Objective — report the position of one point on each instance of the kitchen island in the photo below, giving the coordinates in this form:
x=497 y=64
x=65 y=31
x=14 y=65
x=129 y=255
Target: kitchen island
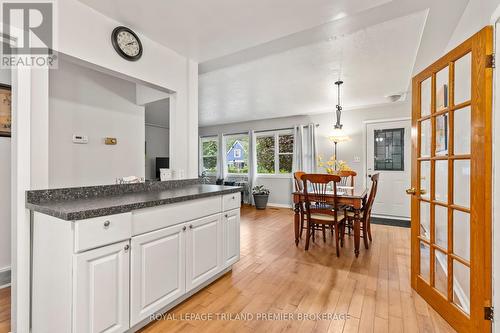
x=108 y=258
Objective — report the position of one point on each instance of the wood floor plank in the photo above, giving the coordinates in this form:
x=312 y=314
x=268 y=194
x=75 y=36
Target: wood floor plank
x=371 y=293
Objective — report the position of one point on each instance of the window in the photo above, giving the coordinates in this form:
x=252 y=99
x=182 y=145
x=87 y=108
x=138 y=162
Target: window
x=236 y=147
x=389 y=149
x=274 y=153
x=209 y=149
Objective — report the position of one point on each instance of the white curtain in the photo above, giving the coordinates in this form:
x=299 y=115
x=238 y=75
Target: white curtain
x=305 y=149
x=252 y=161
x=221 y=168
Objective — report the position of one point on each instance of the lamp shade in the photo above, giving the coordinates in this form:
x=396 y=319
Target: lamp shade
x=339 y=138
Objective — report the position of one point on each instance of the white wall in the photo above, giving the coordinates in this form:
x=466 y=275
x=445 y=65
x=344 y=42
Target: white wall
x=87 y=102
x=353 y=126
x=79 y=27
x=5 y=183
x=157 y=116
x=157 y=140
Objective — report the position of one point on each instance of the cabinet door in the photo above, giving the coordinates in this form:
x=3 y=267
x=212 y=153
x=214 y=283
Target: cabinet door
x=231 y=237
x=203 y=250
x=101 y=294
x=157 y=271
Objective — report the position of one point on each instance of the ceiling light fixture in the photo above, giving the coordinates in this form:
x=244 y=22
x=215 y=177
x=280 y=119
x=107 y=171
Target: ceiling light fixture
x=338 y=111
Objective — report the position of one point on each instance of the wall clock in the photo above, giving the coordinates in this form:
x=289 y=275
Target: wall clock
x=126 y=43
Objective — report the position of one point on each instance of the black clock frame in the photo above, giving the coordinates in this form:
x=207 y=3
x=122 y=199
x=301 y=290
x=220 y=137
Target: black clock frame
x=114 y=41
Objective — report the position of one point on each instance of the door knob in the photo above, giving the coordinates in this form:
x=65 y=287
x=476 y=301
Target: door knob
x=411 y=191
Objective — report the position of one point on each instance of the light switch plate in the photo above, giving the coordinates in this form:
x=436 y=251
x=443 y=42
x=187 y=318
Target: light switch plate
x=80 y=139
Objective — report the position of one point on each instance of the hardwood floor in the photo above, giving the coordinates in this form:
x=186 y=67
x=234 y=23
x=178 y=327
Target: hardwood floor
x=5 y=310
x=274 y=277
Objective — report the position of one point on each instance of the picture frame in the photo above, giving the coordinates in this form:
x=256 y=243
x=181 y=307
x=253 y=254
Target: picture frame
x=5 y=110
x=442 y=134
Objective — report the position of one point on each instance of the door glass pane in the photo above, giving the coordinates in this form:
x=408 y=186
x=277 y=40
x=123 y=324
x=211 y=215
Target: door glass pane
x=425 y=262
x=425 y=179
x=462 y=125
x=389 y=149
x=441 y=181
x=461 y=234
x=441 y=226
x=461 y=183
x=425 y=219
x=441 y=272
x=426 y=98
x=425 y=143
x=463 y=70
x=442 y=135
x=461 y=286
x=442 y=99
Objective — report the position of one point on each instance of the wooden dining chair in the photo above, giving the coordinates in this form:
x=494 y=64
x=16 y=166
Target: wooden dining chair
x=347 y=177
x=365 y=214
x=299 y=187
x=322 y=207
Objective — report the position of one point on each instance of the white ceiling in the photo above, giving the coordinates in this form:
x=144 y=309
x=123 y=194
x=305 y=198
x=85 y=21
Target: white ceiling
x=373 y=63
x=271 y=58
x=207 y=29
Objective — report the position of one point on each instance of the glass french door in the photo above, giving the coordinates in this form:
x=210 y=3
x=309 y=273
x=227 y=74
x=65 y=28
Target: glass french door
x=451 y=184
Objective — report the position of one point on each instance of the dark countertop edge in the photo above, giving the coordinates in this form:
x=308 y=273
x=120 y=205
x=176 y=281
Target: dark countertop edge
x=106 y=211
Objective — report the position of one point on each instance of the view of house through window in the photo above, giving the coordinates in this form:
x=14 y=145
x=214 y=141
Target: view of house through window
x=274 y=153
x=209 y=154
x=236 y=153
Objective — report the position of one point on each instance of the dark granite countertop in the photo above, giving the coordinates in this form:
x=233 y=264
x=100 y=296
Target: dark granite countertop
x=79 y=208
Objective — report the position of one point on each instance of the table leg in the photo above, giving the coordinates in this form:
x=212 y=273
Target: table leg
x=296 y=221
x=357 y=232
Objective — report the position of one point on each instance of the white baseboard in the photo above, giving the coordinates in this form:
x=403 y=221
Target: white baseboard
x=5 y=277
x=279 y=205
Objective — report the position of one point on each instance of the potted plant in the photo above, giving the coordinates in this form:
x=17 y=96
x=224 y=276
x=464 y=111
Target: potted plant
x=260 y=196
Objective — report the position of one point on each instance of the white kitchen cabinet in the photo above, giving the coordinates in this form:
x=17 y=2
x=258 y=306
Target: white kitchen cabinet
x=231 y=237
x=203 y=250
x=101 y=302
x=110 y=274
x=157 y=271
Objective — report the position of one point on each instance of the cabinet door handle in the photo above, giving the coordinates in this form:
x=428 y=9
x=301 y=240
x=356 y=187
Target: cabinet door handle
x=106 y=224
x=234 y=197
x=184 y=228
x=190 y=226
x=126 y=248
x=225 y=215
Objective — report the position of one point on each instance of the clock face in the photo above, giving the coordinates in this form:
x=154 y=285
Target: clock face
x=126 y=43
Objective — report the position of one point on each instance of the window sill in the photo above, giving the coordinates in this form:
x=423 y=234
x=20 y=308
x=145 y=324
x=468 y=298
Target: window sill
x=282 y=176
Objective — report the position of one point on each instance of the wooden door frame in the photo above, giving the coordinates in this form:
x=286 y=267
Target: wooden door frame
x=481 y=184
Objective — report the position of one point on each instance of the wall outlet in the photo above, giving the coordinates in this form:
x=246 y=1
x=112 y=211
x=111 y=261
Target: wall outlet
x=80 y=139
x=357 y=159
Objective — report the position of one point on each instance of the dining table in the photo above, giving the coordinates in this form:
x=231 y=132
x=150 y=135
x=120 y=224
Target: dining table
x=352 y=196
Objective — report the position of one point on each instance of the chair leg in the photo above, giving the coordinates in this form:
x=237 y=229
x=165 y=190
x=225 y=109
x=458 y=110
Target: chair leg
x=342 y=233
x=337 y=236
x=301 y=225
x=365 y=236
x=369 y=225
x=308 y=235
x=324 y=233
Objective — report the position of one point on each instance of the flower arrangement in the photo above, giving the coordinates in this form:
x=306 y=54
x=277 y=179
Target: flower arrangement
x=332 y=166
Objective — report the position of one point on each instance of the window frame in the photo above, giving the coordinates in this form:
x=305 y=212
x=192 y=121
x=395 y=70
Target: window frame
x=276 y=134
x=201 y=156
